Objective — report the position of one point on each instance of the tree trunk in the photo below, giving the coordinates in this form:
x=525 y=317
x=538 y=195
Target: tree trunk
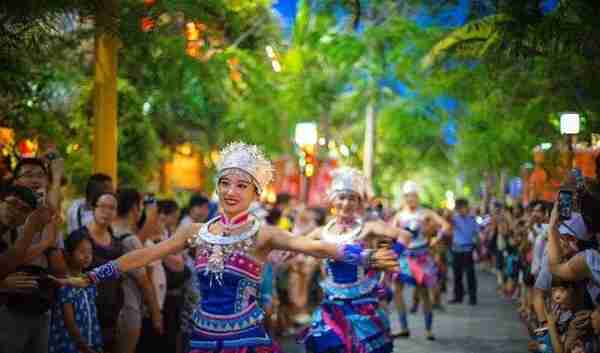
x=105 y=91
x=369 y=149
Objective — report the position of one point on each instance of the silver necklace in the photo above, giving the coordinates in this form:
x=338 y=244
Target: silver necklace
x=341 y=238
x=219 y=248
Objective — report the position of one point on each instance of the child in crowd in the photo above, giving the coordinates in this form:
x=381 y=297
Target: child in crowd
x=561 y=308
x=512 y=262
x=74 y=326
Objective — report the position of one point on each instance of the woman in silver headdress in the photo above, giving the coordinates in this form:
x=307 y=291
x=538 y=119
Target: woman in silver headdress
x=349 y=319
x=231 y=251
x=417 y=258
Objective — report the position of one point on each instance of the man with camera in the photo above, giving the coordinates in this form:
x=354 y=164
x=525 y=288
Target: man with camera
x=26 y=293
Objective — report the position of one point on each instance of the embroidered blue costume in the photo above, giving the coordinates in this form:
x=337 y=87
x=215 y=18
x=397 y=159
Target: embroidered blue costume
x=228 y=317
x=349 y=319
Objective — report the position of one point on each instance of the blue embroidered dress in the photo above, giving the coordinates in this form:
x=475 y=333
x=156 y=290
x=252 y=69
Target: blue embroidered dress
x=416 y=262
x=349 y=319
x=228 y=317
x=86 y=317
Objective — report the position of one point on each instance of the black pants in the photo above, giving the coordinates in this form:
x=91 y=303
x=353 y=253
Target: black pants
x=463 y=262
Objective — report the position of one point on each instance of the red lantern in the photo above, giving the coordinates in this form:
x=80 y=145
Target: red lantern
x=26 y=148
x=147 y=24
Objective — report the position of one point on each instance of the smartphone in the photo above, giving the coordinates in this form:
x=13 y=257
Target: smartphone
x=565 y=204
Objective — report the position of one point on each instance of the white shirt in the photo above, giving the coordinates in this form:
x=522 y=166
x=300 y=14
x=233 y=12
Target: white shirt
x=540 y=233
x=159 y=277
x=79 y=215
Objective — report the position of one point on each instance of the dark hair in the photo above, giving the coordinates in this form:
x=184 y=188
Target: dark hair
x=127 y=199
x=30 y=161
x=590 y=208
x=543 y=204
x=461 y=202
x=95 y=185
x=274 y=216
x=586 y=244
x=197 y=200
x=283 y=198
x=167 y=206
x=98 y=195
x=321 y=215
x=74 y=239
x=21 y=192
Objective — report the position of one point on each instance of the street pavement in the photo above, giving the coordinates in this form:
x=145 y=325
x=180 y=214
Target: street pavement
x=492 y=326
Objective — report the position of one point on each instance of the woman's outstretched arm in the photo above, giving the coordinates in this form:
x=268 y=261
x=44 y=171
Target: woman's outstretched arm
x=281 y=240
x=142 y=257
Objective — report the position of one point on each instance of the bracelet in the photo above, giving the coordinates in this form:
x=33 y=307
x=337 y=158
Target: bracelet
x=355 y=255
x=106 y=272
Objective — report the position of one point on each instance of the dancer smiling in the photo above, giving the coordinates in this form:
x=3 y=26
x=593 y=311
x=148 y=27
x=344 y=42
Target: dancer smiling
x=349 y=320
x=232 y=249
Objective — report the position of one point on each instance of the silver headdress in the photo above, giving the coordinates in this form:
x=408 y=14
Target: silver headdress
x=249 y=159
x=347 y=179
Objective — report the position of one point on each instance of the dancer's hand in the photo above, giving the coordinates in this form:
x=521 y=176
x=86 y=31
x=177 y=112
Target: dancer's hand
x=375 y=228
x=19 y=282
x=77 y=282
x=385 y=259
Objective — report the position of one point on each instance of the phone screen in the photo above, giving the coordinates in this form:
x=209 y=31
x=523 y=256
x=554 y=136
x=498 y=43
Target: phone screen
x=565 y=204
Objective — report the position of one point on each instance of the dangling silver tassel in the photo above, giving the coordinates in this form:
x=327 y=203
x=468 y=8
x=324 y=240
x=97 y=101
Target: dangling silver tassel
x=216 y=265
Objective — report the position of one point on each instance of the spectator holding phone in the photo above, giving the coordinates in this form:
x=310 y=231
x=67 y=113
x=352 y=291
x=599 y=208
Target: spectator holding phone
x=18 y=208
x=24 y=322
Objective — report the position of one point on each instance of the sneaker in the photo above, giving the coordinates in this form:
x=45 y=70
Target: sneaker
x=438 y=307
x=414 y=309
x=402 y=334
x=473 y=302
x=430 y=337
x=455 y=301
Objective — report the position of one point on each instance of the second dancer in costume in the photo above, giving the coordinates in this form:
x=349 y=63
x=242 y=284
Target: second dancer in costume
x=421 y=265
x=349 y=319
x=231 y=252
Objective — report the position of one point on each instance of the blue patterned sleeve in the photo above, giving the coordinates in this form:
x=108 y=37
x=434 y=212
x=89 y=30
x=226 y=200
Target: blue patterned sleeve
x=354 y=254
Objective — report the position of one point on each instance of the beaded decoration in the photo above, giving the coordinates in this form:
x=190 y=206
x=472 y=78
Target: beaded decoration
x=341 y=238
x=218 y=248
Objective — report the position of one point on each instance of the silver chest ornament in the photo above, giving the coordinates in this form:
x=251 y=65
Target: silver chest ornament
x=342 y=238
x=218 y=248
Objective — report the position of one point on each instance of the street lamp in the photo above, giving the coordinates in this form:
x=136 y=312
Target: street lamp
x=569 y=126
x=306 y=137
x=569 y=123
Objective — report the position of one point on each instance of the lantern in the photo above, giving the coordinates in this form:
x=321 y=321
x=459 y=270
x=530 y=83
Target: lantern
x=569 y=123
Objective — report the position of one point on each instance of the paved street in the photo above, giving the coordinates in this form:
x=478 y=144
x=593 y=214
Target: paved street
x=490 y=327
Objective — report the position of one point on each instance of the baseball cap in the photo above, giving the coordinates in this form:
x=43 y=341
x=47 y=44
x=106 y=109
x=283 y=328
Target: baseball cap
x=575 y=226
